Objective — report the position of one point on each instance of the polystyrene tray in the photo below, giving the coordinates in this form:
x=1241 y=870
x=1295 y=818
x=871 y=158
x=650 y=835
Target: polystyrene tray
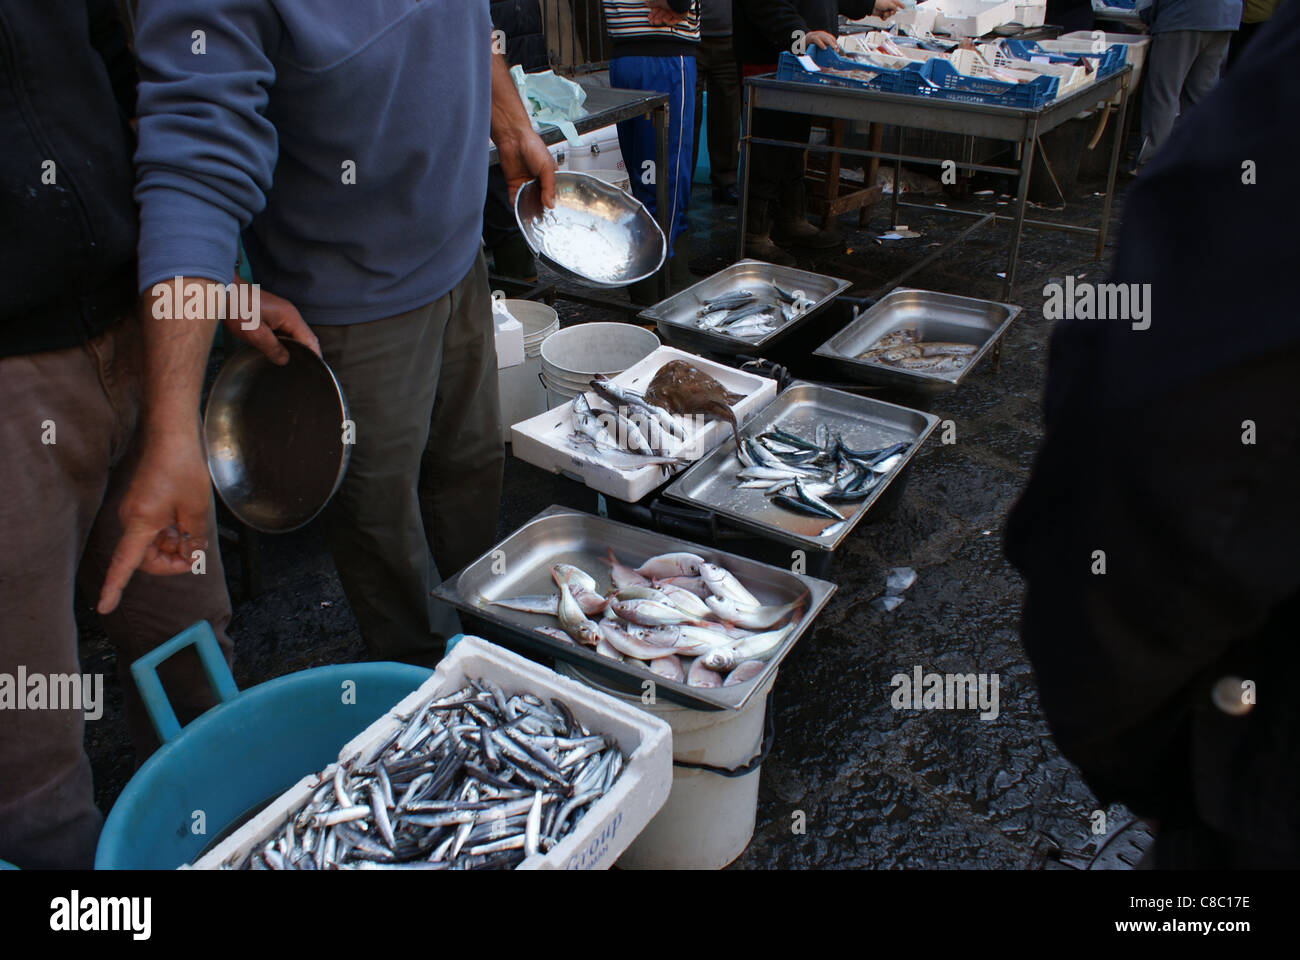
x=604 y=832
x=544 y=440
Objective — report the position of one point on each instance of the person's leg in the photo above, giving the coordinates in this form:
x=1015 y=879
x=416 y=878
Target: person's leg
x=389 y=373
x=702 y=82
x=1168 y=61
x=58 y=435
x=724 y=113
x=462 y=468
x=1205 y=69
x=152 y=609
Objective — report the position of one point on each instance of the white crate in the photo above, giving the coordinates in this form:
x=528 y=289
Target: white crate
x=971 y=18
x=603 y=833
x=1033 y=14
x=544 y=440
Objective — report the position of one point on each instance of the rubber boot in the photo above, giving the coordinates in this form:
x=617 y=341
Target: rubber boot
x=758 y=240
x=791 y=227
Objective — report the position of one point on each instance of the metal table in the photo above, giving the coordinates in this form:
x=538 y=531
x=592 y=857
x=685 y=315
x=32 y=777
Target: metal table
x=1023 y=127
x=607 y=105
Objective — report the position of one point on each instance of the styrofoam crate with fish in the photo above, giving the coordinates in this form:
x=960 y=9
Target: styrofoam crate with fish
x=816 y=460
x=607 y=825
x=568 y=440
x=759 y=611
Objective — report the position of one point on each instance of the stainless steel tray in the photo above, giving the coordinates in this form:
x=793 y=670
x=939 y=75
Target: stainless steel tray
x=937 y=316
x=862 y=421
x=675 y=316
x=521 y=563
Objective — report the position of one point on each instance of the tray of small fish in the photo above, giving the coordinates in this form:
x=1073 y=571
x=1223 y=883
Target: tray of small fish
x=745 y=306
x=708 y=628
x=628 y=434
x=920 y=340
x=494 y=762
x=809 y=466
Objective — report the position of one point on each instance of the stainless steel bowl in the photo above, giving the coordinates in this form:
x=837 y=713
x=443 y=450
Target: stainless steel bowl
x=595 y=234
x=274 y=437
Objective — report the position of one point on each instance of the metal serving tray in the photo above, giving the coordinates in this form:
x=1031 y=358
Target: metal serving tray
x=865 y=423
x=937 y=316
x=675 y=316
x=521 y=564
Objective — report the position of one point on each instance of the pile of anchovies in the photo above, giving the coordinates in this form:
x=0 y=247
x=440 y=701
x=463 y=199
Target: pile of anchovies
x=475 y=780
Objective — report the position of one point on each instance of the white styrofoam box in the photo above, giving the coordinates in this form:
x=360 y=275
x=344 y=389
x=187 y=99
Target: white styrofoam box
x=595 y=841
x=972 y=18
x=918 y=20
x=597 y=150
x=509 y=339
x=1135 y=47
x=1032 y=14
x=544 y=440
x=1070 y=76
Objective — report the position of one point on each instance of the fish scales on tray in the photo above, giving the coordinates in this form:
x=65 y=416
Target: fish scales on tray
x=906 y=350
x=665 y=616
x=471 y=780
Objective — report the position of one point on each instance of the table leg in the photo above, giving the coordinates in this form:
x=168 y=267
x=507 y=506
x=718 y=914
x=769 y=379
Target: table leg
x=1028 y=147
x=746 y=132
x=661 y=189
x=1114 y=168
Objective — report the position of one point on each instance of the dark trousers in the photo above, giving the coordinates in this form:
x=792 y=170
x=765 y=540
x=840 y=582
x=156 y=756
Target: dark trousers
x=424 y=481
x=499 y=224
x=774 y=171
x=58 y=527
x=719 y=74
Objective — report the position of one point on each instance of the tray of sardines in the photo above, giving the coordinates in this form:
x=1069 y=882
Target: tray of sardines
x=708 y=629
x=920 y=340
x=494 y=762
x=627 y=434
x=809 y=466
x=744 y=307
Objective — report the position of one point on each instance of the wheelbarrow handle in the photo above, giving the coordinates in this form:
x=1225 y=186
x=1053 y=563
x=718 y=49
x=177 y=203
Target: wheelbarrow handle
x=145 y=673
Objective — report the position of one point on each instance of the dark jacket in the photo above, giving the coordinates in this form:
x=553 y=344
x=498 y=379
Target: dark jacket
x=1144 y=459
x=764 y=28
x=67 y=248
x=521 y=22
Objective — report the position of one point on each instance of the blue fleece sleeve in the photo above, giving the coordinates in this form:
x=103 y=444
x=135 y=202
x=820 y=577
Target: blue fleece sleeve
x=206 y=150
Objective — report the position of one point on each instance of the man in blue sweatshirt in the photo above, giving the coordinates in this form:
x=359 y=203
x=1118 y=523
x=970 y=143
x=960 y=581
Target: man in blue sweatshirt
x=345 y=141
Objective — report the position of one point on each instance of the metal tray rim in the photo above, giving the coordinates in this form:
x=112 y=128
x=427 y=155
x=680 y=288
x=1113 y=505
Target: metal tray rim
x=830 y=352
x=726 y=698
x=730 y=342
x=676 y=492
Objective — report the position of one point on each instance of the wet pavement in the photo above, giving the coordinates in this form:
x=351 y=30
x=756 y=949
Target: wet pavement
x=870 y=786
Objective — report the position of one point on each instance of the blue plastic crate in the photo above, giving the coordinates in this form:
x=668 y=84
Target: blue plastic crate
x=944 y=82
x=1108 y=61
x=1122 y=4
x=905 y=80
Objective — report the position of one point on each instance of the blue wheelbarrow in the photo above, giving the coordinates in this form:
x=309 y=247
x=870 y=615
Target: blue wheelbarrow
x=212 y=774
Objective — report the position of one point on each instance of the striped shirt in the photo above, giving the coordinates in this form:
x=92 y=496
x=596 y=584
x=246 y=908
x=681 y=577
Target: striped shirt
x=629 y=21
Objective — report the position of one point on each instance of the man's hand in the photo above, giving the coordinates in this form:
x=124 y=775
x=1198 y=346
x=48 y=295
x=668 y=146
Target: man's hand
x=276 y=318
x=820 y=38
x=887 y=8
x=520 y=151
x=662 y=15
x=164 y=514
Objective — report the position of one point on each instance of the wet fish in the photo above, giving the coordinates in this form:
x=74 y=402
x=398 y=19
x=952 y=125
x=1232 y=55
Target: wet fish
x=701 y=675
x=630 y=398
x=545 y=603
x=682 y=388
x=744 y=672
x=669 y=667
x=624 y=576
x=723 y=584
x=671 y=565
x=546 y=772
x=750 y=617
x=574 y=622
x=760 y=646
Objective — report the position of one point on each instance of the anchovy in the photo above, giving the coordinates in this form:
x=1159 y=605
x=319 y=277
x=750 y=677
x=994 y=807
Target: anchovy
x=628 y=398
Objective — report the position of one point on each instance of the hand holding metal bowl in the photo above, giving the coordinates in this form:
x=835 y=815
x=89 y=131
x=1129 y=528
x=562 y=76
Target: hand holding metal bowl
x=275 y=437
x=595 y=234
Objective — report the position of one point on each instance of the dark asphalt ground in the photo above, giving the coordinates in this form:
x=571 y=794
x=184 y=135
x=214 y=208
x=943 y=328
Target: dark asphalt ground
x=877 y=787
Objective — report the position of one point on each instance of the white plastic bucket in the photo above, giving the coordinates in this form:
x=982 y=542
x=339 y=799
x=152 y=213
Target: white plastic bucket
x=618 y=178
x=708 y=820
x=522 y=394
x=597 y=150
x=572 y=356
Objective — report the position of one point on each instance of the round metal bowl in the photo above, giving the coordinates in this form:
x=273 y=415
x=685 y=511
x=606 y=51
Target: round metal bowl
x=595 y=234
x=274 y=437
